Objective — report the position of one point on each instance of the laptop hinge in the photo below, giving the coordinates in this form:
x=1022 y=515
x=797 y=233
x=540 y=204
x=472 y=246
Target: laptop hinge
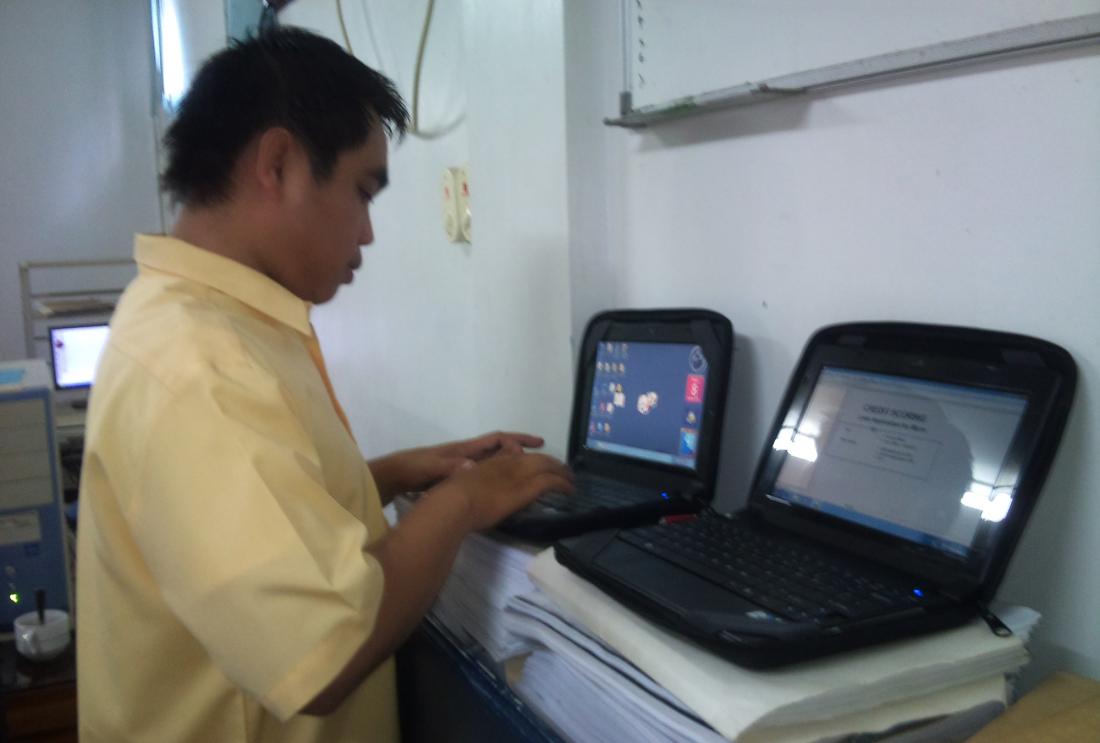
x=698 y=496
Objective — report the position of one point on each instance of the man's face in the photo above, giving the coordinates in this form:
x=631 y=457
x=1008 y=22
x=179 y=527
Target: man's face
x=328 y=222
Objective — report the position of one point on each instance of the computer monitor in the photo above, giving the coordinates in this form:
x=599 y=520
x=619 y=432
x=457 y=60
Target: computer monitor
x=75 y=350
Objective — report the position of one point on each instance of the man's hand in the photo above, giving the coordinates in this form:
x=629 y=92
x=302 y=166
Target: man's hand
x=419 y=469
x=496 y=487
x=417 y=554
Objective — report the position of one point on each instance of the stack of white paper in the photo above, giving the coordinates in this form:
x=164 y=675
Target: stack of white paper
x=488 y=570
x=587 y=691
x=861 y=691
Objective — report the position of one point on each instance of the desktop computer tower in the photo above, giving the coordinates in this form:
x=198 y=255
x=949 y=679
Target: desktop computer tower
x=34 y=542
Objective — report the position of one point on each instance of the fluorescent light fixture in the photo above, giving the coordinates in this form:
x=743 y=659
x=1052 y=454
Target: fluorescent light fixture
x=170 y=53
x=993 y=505
x=799 y=445
x=998 y=507
x=783 y=439
x=803 y=447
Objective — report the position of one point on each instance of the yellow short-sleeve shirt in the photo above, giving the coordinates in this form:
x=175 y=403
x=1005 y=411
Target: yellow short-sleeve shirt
x=222 y=580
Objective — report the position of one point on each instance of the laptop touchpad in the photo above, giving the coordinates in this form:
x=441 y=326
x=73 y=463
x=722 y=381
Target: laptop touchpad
x=665 y=583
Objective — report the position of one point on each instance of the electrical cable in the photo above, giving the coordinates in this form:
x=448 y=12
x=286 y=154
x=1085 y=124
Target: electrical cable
x=415 y=128
x=269 y=20
x=414 y=124
x=343 y=26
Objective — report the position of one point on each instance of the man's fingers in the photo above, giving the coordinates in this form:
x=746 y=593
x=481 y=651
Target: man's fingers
x=554 y=482
x=483 y=446
x=497 y=442
x=540 y=461
x=526 y=440
x=548 y=473
x=510 y=446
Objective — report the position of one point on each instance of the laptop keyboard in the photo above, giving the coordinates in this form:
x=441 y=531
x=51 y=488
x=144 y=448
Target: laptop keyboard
x=790 y=580
x=595 y=492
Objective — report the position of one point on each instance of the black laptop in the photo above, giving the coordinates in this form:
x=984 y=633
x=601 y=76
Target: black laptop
x=646 y=425
x=894 y=485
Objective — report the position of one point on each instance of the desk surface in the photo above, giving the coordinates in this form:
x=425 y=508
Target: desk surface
x=39 y=699
x=1065 y=708
x=17 y=673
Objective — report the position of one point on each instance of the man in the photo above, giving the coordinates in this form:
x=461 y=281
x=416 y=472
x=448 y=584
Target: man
x=236 y=578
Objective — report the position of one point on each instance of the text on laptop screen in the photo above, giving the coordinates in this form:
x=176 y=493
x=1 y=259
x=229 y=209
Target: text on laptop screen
x=647 y=401
x=76 y=352
x=916 y=459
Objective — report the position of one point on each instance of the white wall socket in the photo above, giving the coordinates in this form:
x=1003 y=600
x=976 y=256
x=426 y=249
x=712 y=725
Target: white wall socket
x=462 y=186
x=449 y=192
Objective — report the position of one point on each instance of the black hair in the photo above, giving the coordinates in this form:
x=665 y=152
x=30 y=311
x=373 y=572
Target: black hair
x=286 y=77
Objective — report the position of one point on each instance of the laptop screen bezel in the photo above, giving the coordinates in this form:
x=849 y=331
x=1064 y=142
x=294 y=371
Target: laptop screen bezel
x=1037 y=384
x=708 y=330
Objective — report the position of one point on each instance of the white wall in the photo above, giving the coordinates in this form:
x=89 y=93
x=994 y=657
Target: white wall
x=77 y=172
x=434 y=340
x=966 y=197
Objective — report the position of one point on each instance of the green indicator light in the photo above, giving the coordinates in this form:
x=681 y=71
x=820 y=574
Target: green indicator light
x=14 y=597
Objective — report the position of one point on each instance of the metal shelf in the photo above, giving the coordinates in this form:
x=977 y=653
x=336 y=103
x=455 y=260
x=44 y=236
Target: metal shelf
x=1077 y=31
x=62 y=281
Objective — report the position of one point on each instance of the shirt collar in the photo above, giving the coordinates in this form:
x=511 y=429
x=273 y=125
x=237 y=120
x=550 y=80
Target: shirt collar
x=173 y=256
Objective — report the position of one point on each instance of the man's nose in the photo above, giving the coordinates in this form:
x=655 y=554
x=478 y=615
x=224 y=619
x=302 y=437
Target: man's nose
x=366 y=230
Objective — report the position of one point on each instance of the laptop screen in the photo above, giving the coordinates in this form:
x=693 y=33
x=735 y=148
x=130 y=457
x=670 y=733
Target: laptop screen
x=917 y=459
x=647 y=401
x=75 y=353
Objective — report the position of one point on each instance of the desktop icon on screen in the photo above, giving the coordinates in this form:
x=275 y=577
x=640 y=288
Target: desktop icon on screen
x=694 y=388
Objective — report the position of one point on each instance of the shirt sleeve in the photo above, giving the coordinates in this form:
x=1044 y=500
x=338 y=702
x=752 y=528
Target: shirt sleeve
x=251 y=552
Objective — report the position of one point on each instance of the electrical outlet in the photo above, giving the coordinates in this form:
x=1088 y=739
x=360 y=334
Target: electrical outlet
x=462 y=186
x=449 y=192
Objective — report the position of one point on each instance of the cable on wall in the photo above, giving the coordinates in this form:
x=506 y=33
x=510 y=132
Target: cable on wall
x=415 y=128
x=414 y=125
x=343 y=26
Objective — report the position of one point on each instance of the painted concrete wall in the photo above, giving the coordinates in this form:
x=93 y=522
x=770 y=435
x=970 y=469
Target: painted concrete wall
x=965 y=197
x=436 y=340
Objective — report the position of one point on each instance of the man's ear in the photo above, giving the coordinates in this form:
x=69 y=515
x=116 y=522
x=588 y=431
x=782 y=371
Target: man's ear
x=273 y=155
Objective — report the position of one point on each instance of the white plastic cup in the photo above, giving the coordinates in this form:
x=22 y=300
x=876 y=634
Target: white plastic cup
x=42 y=640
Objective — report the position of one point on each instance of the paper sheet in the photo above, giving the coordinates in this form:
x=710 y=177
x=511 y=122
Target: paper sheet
x=486 y=574
x=588 y=691
x=733 y=699
x=880 y=719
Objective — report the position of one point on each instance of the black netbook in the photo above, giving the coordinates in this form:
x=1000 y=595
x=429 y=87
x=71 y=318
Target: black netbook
x=895 y=482
x=647 y=419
